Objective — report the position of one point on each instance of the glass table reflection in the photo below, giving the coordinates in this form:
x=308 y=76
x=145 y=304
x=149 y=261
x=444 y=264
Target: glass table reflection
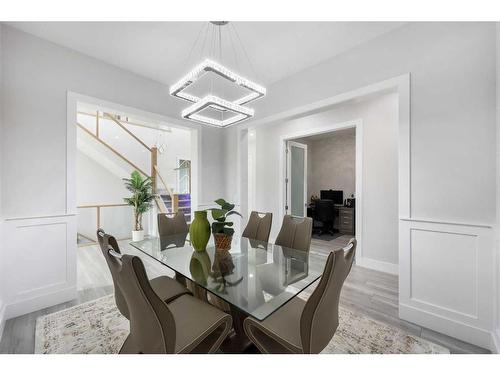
x=254 y=277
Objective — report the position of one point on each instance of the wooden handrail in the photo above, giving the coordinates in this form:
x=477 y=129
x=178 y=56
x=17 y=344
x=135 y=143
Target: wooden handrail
x=102 y=205
x=161 y=205
x=111 y=149
x=168 y=130
x=113 y=118
x=170 y=192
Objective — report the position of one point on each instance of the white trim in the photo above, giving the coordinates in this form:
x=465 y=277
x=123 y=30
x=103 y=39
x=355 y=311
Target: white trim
x=446 y=222
x=358 y=125
x=495 y=341
x=74 y=98
x=28 y=305
x=47 y=241
x=471 y=321
x=2 y=318
x=459 y=329
x=37 y=217
x=402 y=82
x=288 y=158
x=377 y=265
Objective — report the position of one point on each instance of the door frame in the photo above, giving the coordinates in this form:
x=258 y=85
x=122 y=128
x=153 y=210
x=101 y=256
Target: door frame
x=72 y=101
x=358 y=125
x=288 y=166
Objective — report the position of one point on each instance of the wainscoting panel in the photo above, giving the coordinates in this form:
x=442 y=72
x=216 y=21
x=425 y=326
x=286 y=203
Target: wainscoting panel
x=40 y=267
x=446 y=278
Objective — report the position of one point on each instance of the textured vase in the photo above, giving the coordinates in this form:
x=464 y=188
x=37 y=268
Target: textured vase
x=199 y=231
x=222 y=241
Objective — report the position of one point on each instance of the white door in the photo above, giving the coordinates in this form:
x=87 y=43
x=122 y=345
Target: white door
x=296 y=179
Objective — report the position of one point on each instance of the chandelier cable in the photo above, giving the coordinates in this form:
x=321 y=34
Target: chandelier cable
x=245 y=52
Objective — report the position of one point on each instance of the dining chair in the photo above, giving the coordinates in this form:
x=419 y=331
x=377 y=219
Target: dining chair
x=168 y=289
x=295 y=233
x=185 y=325
x=168 y=226
x=258 y=227
x=306 y=326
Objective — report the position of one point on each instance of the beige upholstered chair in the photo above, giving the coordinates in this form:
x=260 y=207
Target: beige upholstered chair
x=167 y=289
x=295 y=233
x=185 y=325
x=258 y=228
x=169 y=226
x=306 y=327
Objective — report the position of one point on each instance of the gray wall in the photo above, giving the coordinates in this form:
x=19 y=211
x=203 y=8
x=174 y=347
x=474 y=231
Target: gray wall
x=452 y=68
x=37 y=76
x=331 y=162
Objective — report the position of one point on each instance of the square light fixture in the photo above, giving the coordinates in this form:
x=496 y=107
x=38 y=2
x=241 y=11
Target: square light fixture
x=193 y=112
x=177 y=90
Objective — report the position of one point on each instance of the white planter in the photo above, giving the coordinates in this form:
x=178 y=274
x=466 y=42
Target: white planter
x=137 y=235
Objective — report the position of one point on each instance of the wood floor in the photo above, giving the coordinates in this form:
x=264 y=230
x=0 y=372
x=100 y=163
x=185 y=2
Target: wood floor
x=370 y=292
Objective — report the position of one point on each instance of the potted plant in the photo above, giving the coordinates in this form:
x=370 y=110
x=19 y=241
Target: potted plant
x=141 y=200
x=221 y=228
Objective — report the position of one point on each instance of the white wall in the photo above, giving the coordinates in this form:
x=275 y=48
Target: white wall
x=452 y=68
x=2 y=255
x=496 y=336
x=37 y=77
x=452 y=167
x=35 y=119
x=380 y=169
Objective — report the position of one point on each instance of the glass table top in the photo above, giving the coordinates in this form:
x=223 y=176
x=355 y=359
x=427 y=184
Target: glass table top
x=255 y=277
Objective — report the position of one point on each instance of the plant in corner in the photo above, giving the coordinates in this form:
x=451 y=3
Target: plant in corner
x=142 y=196
x=221 y=227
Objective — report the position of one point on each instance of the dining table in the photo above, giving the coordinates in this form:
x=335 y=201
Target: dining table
x=251 y=279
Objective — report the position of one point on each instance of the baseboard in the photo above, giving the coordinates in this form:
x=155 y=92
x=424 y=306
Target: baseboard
x=2 y=319
x=495 y=341
x=43 y=301
x=377 y=265
x=459 y=330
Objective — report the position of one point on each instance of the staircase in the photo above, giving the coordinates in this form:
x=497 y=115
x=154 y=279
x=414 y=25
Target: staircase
x=182 y=202
x=92 y=144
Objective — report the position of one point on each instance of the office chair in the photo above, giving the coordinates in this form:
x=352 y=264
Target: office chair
x=325 y=213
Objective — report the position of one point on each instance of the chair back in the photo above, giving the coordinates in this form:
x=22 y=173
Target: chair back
x=152 y=325
x=320 y=317
x=295 y=233
x=324 y=210
x=168 y=226
x=258 y=228
x=107 y=242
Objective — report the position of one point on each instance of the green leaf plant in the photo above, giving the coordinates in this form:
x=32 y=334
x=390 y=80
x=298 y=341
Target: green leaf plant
x=220 y=215
x=142 y=196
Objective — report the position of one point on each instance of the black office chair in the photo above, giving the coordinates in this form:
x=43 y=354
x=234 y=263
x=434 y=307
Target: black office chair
x=325 y=213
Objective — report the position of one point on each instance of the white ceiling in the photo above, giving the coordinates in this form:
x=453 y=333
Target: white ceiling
x=160 y=50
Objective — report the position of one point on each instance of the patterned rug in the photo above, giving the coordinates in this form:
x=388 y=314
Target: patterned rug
x=97 y=327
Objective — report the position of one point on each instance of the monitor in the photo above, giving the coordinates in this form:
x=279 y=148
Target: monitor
x=337 y=196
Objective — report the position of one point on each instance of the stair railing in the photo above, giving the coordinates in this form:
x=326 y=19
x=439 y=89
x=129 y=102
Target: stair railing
x=154 y=174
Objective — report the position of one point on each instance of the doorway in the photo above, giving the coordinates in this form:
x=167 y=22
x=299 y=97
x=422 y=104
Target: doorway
x=296 y=179
x=295 y=198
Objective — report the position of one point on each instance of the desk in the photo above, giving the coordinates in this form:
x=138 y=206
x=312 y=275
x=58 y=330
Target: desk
x=343 y=218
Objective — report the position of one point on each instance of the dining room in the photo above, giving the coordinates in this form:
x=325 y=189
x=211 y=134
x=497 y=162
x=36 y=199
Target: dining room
x=150 y=207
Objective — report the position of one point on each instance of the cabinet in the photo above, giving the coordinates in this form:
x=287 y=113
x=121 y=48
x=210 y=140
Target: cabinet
x=346 y=220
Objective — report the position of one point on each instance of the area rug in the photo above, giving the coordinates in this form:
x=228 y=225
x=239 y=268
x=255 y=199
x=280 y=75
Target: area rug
x=97 y=327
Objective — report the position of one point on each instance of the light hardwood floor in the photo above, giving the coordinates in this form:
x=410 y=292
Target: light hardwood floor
x=367 y=291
